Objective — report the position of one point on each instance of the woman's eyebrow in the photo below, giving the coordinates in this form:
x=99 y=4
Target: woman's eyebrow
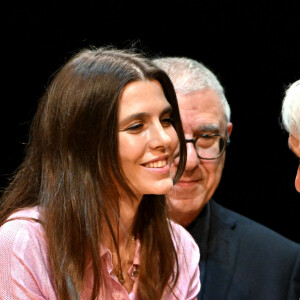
x=141 y=115
x=167 y=110
x=144 y=115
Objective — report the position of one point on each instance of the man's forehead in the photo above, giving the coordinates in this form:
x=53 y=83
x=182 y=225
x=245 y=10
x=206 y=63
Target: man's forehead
x=201 y=103
x=202 y=111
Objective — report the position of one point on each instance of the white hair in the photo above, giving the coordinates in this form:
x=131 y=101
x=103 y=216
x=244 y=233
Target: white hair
x=188 y=76
x=291 y=109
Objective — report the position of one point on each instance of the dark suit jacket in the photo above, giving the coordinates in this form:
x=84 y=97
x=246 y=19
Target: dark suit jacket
x=243 y=260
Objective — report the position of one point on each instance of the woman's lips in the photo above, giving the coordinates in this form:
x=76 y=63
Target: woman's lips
x=156 y=164
x=159 y=166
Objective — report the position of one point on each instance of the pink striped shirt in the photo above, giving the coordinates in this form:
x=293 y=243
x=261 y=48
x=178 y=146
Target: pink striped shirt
x=25 y=272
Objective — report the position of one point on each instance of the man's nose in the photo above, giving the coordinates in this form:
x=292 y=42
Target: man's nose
x=192 y=160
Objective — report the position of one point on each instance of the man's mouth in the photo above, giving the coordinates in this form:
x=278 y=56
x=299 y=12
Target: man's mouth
x=188 y=182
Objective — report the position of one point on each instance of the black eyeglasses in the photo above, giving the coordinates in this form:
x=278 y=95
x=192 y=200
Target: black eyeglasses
x=209 y=145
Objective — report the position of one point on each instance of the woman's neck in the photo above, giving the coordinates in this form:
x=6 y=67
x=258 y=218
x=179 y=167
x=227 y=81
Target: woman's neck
x=123 y=253
x=128 y=209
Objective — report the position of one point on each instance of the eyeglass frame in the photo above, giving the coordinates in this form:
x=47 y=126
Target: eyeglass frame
x=193 y=141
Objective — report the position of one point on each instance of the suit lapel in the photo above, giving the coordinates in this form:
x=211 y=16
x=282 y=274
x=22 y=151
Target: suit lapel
x=219 y=243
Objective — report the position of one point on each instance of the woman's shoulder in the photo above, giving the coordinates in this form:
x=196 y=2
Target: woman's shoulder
x=21 y=227
x=26 y=213
x=24 y=257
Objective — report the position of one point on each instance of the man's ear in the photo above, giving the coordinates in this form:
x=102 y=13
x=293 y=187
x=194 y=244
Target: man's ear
x=229 y=128
x=297 y=180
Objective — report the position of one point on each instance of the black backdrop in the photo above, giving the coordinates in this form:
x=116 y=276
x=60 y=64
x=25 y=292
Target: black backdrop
x=253 y=47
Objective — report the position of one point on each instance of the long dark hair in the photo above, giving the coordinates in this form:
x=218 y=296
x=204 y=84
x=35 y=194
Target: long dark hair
x=71 y=162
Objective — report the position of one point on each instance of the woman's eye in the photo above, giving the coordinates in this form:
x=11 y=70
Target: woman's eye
x=167 y=121
x=135 y=127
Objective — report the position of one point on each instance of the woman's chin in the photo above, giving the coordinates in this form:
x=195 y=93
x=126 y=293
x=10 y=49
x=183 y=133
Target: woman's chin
x=161 y=187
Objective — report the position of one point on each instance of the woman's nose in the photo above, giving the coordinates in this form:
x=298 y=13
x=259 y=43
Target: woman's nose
x=159 y=137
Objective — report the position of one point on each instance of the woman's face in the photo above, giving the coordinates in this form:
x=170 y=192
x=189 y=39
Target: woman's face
x=147 y=138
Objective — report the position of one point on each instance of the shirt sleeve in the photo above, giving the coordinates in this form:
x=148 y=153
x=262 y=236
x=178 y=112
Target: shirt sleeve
x=24 y=272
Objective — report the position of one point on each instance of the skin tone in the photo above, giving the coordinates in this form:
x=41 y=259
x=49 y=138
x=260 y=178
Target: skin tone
x=147 y=141
x=201 y=112
x=294 y=145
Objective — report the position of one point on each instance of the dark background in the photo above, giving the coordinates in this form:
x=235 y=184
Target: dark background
x=253 y=48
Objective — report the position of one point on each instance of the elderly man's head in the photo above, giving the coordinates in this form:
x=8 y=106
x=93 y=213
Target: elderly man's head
x=205 y=115
x=291 y=121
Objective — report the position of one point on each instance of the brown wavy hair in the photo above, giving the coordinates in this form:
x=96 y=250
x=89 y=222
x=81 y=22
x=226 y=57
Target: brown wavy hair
x=71 y=162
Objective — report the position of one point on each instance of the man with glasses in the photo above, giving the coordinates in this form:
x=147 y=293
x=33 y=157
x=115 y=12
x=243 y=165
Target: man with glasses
x=240 y=259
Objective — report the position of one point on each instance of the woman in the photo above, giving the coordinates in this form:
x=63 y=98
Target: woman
x=85 y=216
